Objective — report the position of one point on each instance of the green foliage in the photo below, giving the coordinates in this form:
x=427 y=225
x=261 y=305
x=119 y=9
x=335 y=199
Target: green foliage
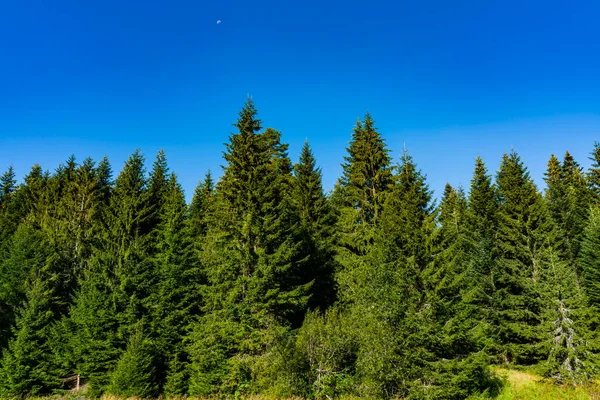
x=27 y=363
x=200 y=207
x=134 y=372
x=359 y=196
x=265 y=286
x=328 y=349
x=590 y=258
x=593 y=176
x=317 y=222
x=566 y=325
x=567 y=197
x=524 y=228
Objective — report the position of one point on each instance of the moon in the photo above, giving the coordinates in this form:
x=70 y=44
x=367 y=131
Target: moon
x=219 y=21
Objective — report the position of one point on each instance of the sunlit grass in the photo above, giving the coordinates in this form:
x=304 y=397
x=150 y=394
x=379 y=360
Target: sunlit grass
x=527 y=386
x=519 y=385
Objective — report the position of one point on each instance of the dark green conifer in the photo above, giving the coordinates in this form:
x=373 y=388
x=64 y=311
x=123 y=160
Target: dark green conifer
x=251 y=258
x=317 y=223
x=134 y=372
x=524 y=231
x=589 y=259
x=200 y=208
x=7 y=184
x=361 y=191
x=28 y=366
x=568 y=202
x=116 y=286
x=175 y=301
x=593 y=175
x=481 y=233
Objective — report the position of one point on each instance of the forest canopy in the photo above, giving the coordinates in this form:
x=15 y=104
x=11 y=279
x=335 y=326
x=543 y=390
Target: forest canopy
x=265 y=284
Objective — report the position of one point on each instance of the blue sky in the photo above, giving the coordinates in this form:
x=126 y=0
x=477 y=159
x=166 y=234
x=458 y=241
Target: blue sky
x=450 y=80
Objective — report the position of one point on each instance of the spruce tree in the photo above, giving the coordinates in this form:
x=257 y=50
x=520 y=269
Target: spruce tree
x=589 y=258
x=524 y=233
x=453 y=289
x=7 y=184
x=158 y=186
x=116 y=286
x=175 y=301
x=481 y=232
x=593 y=175
x=317 y=222
x=385 y=294
x=252 y=259
x=200 y=208
x=11 y=207
x=25 y=254
x=569 y=335
x=359 y=197
x=134 y=372
x=568 y=202
x=27 y=364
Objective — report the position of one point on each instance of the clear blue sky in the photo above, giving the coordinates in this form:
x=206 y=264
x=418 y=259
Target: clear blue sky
x=450 y=79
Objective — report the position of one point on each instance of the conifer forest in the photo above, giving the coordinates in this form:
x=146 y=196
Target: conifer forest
x=266 y=285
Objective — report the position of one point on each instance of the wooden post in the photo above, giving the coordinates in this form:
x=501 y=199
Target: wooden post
x=77 y=387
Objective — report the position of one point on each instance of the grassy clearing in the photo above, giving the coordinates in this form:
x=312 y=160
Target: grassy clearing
x=526 y=386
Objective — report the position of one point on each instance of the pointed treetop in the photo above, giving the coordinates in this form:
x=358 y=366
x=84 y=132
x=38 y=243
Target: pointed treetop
x=7 y=183
x=247 y=123
x=572 y=171
x=307 y=158
x=554 y=171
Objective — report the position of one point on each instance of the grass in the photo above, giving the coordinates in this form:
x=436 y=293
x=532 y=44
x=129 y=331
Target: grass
x=527 y=386
x=519 y=385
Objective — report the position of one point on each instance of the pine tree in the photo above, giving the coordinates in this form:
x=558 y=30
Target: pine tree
x=453 y=288
x=27 y=364
x=200 y=208
x=7 y=184
x=317 y=222
x=589 y=258
x=593 y=176
x=524 y=231
x=569 y=336
x=567 y=199
x=175 y=301
x=384 y=294
x=116 y=286
x=251 y=258
x=359 y=197
x=481 y=233
x=158 y=186
x=25 y=254
x=134 y=373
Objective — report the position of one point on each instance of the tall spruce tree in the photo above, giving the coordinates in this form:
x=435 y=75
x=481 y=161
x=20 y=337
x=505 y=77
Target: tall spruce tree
x=134 y=374
x=568 y=325
x=359 y=197
x=589 y=258
x=28 y=366
x=568 y=202
x=252 y=261
x=481 y=231
x=175 y=301
x=385 y=294
x=115 y=288
x=525 y=232
x=200 y=208
x=7 y=184
x=317 y=223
